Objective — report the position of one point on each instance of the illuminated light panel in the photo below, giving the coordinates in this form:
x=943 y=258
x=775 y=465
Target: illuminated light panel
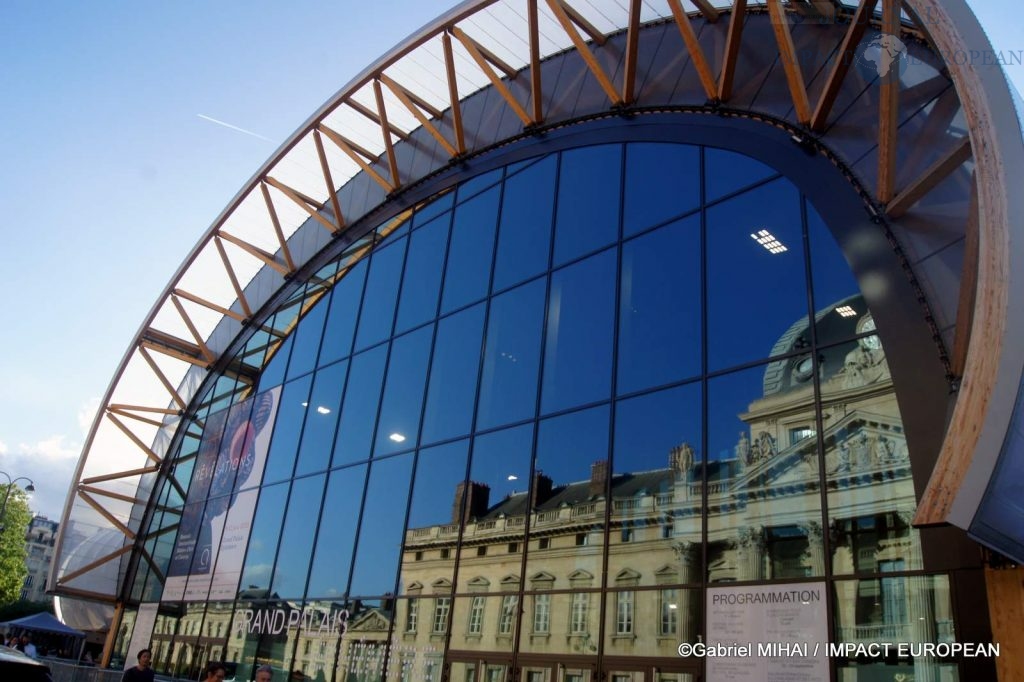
x=768 y=241
x=397 y=437
x=846 y=311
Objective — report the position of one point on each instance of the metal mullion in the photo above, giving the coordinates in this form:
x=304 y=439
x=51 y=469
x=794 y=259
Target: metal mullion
x=826 y=540
x=704 y=582
x=418 y=448
x=537 y=402
x=610 y=448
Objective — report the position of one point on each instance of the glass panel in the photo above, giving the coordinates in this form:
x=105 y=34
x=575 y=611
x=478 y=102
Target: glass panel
x=433 y=207
x=438 y=491
x=321 y=419
x=524 y=239
x=659 y=307
x=380 y=537
x=309 y=331
x=568 y=504
x=287 y=427
x=728 y=172
x=578 y=349
x=662 y=182
x=588 y=200
x=297 y=537
x=835 y=289
x=871 y=496
x=359 y=413
x=266 y=532
x=909 y=611
x=332 y=555
x=471 y=251
x=319 y=637
x=475 y=185
x=399 y=422
x=422 y=281
x=277 y=362
x=341 y=320
x=656 y=508
x=378 y=311
x=755 y=291
x=508 y=389
x=496 y=506
x=485 y=623
x=454 y=372
x=763 y=480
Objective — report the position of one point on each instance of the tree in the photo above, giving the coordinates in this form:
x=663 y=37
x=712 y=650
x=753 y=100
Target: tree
x=15 y=520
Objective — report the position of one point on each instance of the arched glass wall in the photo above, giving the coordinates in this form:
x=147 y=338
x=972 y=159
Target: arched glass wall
x=532 y=424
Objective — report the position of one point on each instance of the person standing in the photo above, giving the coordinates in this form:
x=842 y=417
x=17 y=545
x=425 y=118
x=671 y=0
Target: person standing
x=264 y=673
x=140 y=672
x=28 y=647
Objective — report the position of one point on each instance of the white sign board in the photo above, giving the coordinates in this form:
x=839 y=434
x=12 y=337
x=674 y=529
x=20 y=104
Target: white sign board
x=767 y=633
x=141 y=634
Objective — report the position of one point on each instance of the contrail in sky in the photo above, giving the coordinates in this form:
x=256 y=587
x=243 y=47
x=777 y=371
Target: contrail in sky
x=228 y=125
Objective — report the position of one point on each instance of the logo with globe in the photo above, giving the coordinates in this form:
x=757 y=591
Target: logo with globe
x=884 y=58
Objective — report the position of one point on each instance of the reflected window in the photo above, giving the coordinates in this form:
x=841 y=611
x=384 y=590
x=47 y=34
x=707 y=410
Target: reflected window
x=541 y=614
x=442 y=609
x=476 y=616
x=669 y=624
x=509 y=606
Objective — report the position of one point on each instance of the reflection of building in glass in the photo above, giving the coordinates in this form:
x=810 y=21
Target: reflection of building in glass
x=563 y=357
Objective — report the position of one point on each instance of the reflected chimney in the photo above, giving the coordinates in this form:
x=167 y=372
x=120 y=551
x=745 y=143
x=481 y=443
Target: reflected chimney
x=598 y=478
x=542 y=486
x=476 y=505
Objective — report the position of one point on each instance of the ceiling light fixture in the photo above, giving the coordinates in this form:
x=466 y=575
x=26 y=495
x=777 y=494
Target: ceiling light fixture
x=768 y=241
x=846 y=311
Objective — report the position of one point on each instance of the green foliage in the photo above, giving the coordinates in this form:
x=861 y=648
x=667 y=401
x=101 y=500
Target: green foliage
x=15 y=520
x=24 y=607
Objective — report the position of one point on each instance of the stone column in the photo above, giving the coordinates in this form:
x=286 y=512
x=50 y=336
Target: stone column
x=688 y=554
x=815 y=554
x=750 y=553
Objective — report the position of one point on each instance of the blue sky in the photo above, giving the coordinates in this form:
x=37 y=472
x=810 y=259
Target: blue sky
x=109 y=174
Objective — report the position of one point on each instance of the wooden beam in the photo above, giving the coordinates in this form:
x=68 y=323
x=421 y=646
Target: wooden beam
x=404 y=97
x=732 y=49
x=227 y=312
x=120 y=474
x=790 y=61
x=254 y=251
x=496 y=80
x=968 y=288
x=235 y=284
x=936 y=173
x=125 y=530
x=535 y=82
x=325 y=168
x=559 y=8
x=124 y=407
x=585 y=26
x=707 y=10
x=389 y=146
x=203 y=348
x=67 y=577
x=307 y=204
x=888 y=112
x=162 y=377
x=413 y=97
x=632 y=50
x=689 y=36
x=106 y=493
x=489 y=56
x=172 y=352
x=453 y=92
x=357 y=155
x=843 y=61
x=136 y=417
x=373 y=116
x=155 y=458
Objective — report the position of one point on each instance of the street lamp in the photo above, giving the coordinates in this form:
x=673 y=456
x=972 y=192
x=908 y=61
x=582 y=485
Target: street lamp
x=30 y=488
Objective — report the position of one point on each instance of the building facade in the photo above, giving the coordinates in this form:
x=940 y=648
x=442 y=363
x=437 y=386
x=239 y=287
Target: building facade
x=39 y=542
x=624 y=347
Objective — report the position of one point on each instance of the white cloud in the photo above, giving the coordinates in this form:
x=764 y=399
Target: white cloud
x=52 y=448
x=87 y=413
x=3 y=448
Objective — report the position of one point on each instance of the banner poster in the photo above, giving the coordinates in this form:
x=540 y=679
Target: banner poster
x=777 y=633
x=231 y=459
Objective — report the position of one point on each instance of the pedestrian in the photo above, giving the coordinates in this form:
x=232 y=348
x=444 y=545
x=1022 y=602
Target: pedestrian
x=215 y=672
x=141 y=672
x=28 y=647
x=264 y=673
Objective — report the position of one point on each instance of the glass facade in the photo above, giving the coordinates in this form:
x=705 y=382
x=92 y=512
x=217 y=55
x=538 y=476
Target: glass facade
x=532 y=424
